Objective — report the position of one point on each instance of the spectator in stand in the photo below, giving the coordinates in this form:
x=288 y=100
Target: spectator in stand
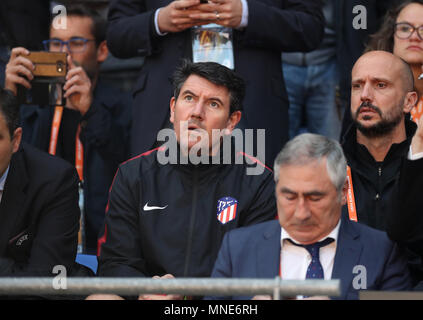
x=95 y=120
x=402 y=34
x=312 y=239
x=377 y=145
x=162 y=32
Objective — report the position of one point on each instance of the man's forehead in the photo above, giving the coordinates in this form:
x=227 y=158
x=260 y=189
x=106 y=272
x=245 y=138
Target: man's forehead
x=197 y=84
x=76 y=26
x=376 y=66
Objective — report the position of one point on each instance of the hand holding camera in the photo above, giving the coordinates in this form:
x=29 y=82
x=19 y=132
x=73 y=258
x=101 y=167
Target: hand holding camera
x=78 y=88
x=47 y=74
x=19 y=70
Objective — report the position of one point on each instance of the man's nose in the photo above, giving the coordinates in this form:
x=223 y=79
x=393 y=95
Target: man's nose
x=198 y=109
x=367 y=93
x=302 y=211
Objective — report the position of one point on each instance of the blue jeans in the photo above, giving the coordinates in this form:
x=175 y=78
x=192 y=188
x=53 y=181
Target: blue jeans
x=311 y=92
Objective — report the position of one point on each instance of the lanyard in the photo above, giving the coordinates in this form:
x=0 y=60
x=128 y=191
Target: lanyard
x=79 y=149
x=79 y=165
x=352 y=211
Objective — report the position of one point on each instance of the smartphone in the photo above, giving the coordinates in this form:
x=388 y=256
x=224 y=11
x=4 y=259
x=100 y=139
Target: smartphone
x=49 y=77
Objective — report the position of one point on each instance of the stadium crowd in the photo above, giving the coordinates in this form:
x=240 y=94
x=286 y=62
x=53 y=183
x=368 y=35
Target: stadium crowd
x=261 y=138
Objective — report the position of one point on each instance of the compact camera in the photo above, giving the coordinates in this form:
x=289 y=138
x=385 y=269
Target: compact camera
x=49 y=78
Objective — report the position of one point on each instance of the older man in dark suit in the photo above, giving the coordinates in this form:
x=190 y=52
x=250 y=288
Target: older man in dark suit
x=312 y=240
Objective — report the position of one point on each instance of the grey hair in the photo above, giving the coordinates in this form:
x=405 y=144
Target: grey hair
x=308 y=147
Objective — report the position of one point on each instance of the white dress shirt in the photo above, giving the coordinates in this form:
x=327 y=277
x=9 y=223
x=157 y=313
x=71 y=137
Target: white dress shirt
x=294 y=260
x=3 y=181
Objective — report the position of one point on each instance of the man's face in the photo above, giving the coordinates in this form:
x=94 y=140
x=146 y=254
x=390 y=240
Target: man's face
x=411 y=49
x=8 y=145
x=201 y=107
x=377 y=94
x=79 y=27
x=308 y=203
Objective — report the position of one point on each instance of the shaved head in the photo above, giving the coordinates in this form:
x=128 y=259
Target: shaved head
x=392 y=61
x=382 y=91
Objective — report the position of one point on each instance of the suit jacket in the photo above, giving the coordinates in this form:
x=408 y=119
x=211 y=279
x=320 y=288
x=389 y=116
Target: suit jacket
x=254 y=252
x=273 y=26
x=39 y=215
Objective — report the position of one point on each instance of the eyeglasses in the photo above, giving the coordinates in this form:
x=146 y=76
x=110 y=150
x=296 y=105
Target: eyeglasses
x=74 y=45
x=404 y=30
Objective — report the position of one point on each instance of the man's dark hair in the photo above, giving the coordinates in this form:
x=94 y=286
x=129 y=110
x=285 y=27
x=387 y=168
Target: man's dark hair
x=9 y=109
x=215 y=73
x=99 y=24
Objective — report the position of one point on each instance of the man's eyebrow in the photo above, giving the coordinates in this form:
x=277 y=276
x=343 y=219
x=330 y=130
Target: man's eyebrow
x=287 y=190
x=193 y=94
x=188 y=92
x=309 y=193
x=373 y=79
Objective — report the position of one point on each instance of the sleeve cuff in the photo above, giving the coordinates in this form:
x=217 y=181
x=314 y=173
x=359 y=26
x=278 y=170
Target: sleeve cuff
x=244 y=20
x=412 y=156
x=156 y=23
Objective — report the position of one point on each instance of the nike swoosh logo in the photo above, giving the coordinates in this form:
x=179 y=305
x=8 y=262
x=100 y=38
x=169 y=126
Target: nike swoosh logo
x=148 y=208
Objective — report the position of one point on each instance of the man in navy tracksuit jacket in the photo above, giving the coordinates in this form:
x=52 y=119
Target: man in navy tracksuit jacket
x=170 y=219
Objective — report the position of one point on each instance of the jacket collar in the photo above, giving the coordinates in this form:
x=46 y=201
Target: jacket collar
x=268 y=255
x=348 y=251
x=354 y=150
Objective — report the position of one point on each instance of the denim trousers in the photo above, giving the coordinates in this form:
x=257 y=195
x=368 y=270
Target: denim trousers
x=312 y=99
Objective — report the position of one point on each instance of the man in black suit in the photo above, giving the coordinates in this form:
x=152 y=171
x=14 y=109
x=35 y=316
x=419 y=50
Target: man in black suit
x=161 y=30
x=39 y=213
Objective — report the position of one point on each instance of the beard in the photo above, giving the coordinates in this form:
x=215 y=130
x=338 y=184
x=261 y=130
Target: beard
x=382 y=128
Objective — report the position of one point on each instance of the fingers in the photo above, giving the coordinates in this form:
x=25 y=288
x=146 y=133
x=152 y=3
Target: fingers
x=19 y=70
x=184 y=4
x=18 y=51
x=77 y=88
x=161 y=296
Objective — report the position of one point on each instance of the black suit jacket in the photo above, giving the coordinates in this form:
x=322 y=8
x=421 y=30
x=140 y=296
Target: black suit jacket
x=273 y=26
x=39 y=215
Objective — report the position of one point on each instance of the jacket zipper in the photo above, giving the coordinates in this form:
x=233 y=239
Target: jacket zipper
x=192 y=222
x=380 y=175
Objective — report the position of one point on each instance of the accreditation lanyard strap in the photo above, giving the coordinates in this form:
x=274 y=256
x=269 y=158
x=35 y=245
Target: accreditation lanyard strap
x=352 y=211
x=79 y=149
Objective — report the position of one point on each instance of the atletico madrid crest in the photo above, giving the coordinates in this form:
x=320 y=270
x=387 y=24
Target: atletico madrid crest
x=226 y=209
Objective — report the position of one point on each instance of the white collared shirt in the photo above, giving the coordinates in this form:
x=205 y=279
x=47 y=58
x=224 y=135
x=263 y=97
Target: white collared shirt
x=294 y=260
x=3 y=181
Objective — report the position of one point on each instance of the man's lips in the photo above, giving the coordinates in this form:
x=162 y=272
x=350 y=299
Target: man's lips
x=367 y=110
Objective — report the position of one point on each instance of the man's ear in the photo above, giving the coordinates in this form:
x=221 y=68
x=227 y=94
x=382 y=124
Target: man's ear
x=172 y=109
x=233 y=120
x=102 y=52
x=16 y=139
x=410 y=101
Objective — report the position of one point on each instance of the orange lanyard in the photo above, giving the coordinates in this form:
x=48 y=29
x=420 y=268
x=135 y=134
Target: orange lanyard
x=79 y=149
x=79 y=155
x=352 y=211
